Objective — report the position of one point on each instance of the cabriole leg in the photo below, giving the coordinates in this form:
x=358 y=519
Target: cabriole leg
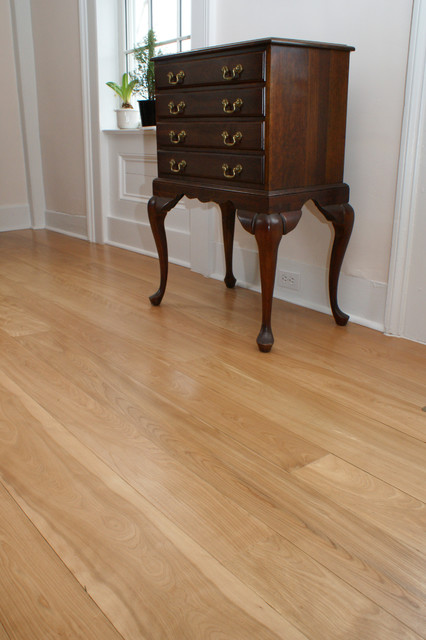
x=342 y=219
x=268 y=231
x=157 y=211
x=268 y=228
x=228 y=228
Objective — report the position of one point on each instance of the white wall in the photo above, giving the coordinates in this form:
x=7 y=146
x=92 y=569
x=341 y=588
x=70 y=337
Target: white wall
x=379 y=30
x=59 y=87
x=414 y=318
x=14 y=210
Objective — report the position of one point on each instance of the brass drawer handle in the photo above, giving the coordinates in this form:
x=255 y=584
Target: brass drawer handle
x=235 y=171
x=231 y=108
x=176 y=79
x=175 y=109
x=231 y=75
x=237 y=137
x=177 y=168
x=180 y=137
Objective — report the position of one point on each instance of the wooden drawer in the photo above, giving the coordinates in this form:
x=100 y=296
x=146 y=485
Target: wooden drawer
x=217 y=135
x=228 y=69
x=239 y=168
x=225 y=102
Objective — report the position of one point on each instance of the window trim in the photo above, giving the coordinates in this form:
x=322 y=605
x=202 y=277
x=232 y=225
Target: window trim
x=128 y=17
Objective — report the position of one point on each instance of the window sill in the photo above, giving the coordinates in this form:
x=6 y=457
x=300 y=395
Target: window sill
x=141 y=130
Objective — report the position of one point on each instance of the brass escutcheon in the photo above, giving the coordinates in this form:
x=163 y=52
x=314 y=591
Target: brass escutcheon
x=231 y=108
x=175 y=109
x=180 y=137
x=231 y=75
x=235 y=171
x=177 y=168
x=176 y=79
x=237 y=137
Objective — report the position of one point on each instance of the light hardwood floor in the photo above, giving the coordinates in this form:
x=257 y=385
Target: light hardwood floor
x=162 y=479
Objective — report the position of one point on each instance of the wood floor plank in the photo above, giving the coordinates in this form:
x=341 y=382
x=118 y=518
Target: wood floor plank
x=127 y=428
x=373 y=391
x=119 y=437
x=419 y=420
x=377 y=448
x=363 y=557
x=117 y=544
x=249 y=428
x=129 y=548
x=74 y=303
x=364 y=391
x=400 y=515
x=353 y=340
x=17 y=322
x=273 y=564
x=39 y=597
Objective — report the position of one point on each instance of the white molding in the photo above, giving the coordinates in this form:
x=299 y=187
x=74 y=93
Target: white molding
x=200 y=26
x=364 y=300
x=135 y=235
x=123 y=194
x=28 y=107
x=13 y=217
x=70 y=225
x=132 y=132
x=87 y=118
x=407 y=174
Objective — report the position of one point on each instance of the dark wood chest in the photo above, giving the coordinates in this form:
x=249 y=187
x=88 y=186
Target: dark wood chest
x=259 y=128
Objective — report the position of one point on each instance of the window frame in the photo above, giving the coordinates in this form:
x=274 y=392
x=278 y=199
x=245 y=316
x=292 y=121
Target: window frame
x=129 y=46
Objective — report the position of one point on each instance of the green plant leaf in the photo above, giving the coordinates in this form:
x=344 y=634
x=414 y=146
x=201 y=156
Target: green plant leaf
x=114 y=86
x=144 y=72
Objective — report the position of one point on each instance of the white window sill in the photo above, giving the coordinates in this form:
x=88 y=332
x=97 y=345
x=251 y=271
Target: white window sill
x=141 y=130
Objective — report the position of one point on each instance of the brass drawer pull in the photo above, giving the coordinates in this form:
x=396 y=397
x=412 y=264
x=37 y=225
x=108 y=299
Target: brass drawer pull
x=235 y=171
x=231 y=75
x=176 y=79
x=175 y=109
x=231 y=108
x=180 y=137
x=177 y=168
x=237 y=137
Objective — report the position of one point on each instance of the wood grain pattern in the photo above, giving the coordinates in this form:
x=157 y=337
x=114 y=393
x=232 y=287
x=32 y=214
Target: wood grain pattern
x=373 y=500
x=385 y=452
x=243 y=479
x=35 y=602
x=195 y=489
x=101 y=526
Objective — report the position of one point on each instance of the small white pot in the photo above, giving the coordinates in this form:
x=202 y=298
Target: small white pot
x=128 y=118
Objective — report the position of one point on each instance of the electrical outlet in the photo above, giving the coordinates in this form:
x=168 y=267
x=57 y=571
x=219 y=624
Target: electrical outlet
x=289 y=280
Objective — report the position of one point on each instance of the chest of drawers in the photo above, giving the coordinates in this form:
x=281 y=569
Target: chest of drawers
x=259 y=128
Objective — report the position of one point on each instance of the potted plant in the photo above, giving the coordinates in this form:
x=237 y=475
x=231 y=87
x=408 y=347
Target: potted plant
x=145 y=79
x=127 y=117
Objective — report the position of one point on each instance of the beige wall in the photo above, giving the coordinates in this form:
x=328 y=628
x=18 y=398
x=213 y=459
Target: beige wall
x=13 y=190
x=380 y=31
x=58 y=73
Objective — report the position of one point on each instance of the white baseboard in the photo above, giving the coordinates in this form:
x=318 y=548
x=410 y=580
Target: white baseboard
x=13 y=217
x=70 y=225
x=137 y=236
x=364 y=300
